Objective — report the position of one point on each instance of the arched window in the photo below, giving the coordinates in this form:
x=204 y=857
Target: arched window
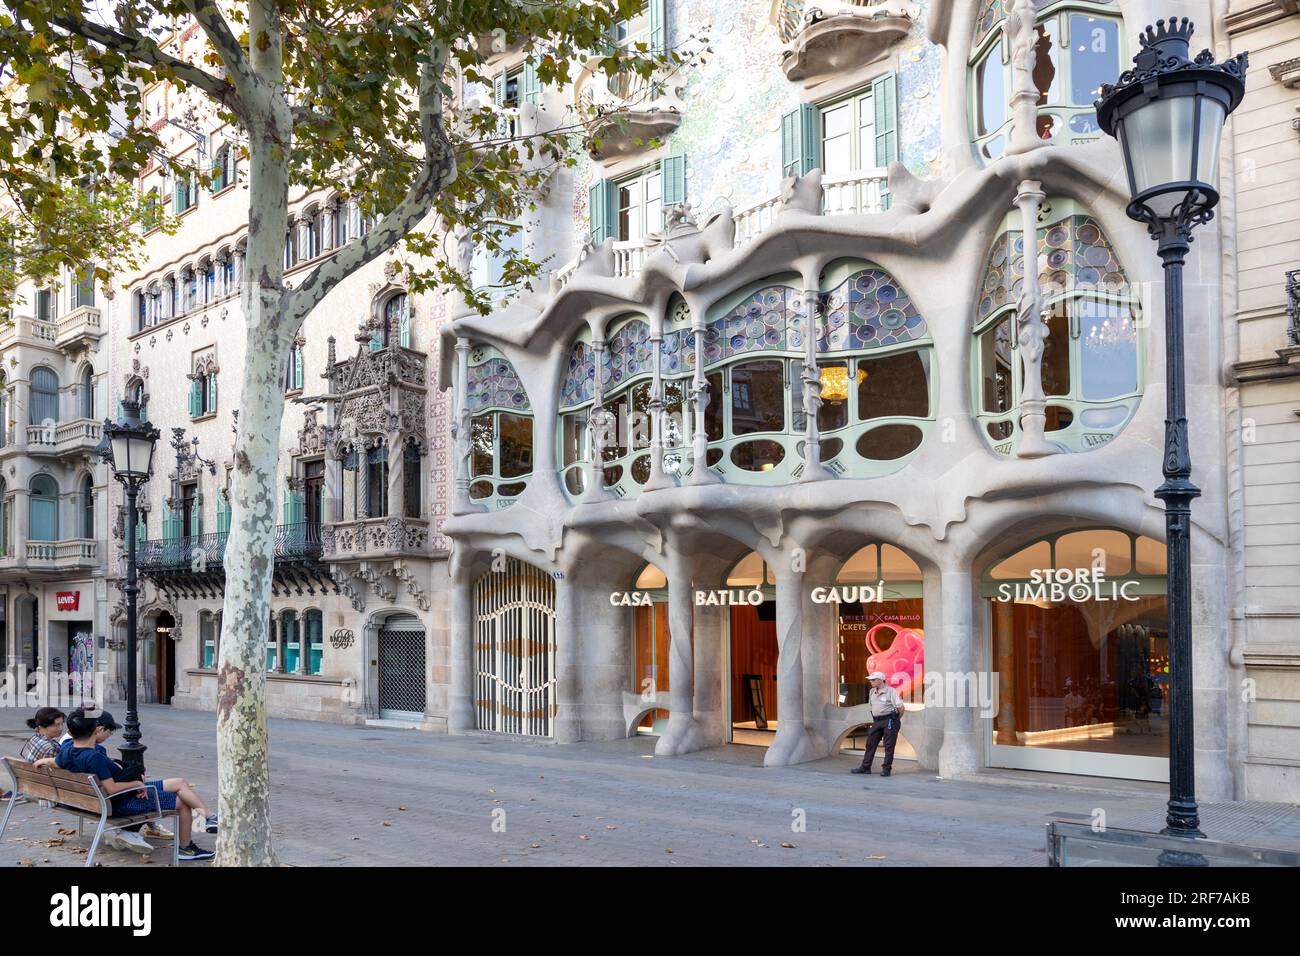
x=87 y=389
x=226 y=268
x=225 y=167
x=290 y=642
x=395 y=321
x=315 y=223
x=208 y=283
x=43 y=511
x=501 y=429
x=209 y=635
x=4 y=518
x=880 y=616
x=45 y=396
x=87 y=508
x=314 y=634
x=140 y=308
x=1093 y=357
x=342 y=216
x=1078 y=46
x=151 y=215
x=154 y=304
x=290 y=247
x=173 y=296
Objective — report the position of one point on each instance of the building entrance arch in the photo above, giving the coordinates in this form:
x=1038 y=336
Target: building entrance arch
x=514 y=650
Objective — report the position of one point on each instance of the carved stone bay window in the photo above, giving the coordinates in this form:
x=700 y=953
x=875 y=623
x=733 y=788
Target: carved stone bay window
x=370 y=483
x=1059 y=51
x=826 y=38
x=1084 y=343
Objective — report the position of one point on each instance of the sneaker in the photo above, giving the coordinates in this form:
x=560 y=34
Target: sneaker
x=127 y=840
x=156 y=832
x=210 y=824
x=189 y=854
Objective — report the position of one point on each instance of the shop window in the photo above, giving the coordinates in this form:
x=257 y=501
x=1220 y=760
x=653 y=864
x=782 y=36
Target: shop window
x=650 y=642
x=877 y=594
x=1079 y=624
x=290 y=642
x=208 y=636
x=1092 y=357
x=1077 y=48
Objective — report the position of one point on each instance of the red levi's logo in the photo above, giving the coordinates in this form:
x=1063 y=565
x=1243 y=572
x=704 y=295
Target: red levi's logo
x=67 y=600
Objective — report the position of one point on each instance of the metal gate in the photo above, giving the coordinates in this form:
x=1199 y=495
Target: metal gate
x=514 y=650
x=401 y=669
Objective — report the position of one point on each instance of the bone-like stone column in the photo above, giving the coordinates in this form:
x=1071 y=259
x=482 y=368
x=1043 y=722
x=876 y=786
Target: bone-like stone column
x=960 y=750
x=460 y=695
x=568 y=670
x=598 y=426
x=814 y=470
x=658 y=477
x=682 y=734
x=700 y=474
x=1032 y=331
x=792 y=743
x=1023 y=33
x=461 y=503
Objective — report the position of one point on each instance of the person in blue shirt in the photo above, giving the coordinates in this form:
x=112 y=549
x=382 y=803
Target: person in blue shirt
x=85 y=753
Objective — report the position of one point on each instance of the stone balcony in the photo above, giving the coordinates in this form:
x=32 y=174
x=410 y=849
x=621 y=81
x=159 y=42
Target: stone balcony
x=844 y=195
x=374 y=539
x=839 y=37
x=628 y=112
x=53 y=557
x=26 y=330
x=81 y=436
x=79 y=327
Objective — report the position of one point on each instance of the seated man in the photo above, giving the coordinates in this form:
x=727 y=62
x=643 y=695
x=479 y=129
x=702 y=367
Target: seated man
x=85 y=753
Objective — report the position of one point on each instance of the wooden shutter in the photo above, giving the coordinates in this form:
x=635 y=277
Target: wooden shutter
x=800 y=141
x=212 y=392
x=196 y=516
x=603 y=211
x=672 y=180
x=223 y=515
x=405 y=332
x=884 y=99
x=171 y=524
x=499 y=89
x=530 y=87
x=658 y=31
x=196 y=398
x=297 y=367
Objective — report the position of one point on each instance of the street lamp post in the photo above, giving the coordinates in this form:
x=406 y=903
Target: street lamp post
x=130 y=453
x=1168 y=114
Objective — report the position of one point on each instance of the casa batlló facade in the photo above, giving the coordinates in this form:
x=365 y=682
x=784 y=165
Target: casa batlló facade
x=841 y=424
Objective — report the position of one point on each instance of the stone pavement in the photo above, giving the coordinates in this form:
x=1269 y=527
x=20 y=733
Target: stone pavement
x=363 y=795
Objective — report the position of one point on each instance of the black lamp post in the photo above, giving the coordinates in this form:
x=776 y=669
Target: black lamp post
x=130 y=452
x=1168 y=113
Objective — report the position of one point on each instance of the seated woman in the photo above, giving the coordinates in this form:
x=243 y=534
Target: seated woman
x=42 y=747
x=85 y=753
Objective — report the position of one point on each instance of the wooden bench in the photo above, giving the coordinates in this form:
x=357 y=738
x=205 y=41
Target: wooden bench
x=80 y=794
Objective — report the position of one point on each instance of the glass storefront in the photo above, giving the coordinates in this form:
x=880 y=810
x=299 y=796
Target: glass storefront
x=1079 y=645
x=650 y=640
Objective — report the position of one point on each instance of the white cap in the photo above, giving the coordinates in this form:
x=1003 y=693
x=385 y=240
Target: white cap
x=876 y=675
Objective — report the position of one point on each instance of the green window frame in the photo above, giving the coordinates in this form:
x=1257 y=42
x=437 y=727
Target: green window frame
x=1079 y=31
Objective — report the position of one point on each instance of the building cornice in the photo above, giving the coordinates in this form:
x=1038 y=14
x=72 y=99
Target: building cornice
x=1260 y=15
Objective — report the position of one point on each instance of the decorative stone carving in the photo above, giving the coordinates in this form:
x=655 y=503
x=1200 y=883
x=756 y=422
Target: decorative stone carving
x=839 y=37
x=801 y=194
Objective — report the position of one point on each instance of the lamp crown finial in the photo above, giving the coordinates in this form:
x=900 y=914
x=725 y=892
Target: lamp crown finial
x=1170 y=37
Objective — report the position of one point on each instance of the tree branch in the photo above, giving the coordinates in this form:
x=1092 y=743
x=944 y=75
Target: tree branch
x=436 y=172
x=145 y=50
x=224 y=41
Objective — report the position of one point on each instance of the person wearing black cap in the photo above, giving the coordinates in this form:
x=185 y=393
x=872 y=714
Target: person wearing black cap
x=85 y=753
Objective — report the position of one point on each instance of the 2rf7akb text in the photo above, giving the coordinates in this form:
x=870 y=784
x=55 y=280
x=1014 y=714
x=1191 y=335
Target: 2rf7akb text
x=1199 y=897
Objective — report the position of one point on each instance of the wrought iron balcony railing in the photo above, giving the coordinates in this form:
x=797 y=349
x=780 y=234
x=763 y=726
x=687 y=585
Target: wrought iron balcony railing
x=202 y=553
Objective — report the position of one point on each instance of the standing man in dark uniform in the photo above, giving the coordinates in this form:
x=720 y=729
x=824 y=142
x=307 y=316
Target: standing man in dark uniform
x=886 y=714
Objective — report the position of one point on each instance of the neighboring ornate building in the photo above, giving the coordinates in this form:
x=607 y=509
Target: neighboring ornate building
x=1261 y=349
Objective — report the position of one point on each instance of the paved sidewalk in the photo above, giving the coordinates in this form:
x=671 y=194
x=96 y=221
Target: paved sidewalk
x=362 y=795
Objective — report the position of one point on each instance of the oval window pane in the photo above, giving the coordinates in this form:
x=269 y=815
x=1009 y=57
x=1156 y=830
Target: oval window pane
x=641 y=470
x=575 y=481
x=513 y=490
x=480 y=489
x=1058 y=417
x=999 y=430
x=889 y=442
x=715 y=456
x=613 y=475
x=1103 y=417
x=761 y=455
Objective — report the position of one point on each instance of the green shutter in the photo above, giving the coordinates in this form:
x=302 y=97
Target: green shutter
x=297 y=508
x=223 y=514
x=141 y=526
x=657 y=39
x=376 y=343
x=171 y=524
x=530 y=87
x=196 y=398
x=800 y=141
x=405 y=333
x=219 y=172
x=212 y=392
x=284 y=505
x=672 y=180
x=297 y=367
x=604 y=211
x=884 y=98
x=499 y=89
x=177 y=208
x=196 y=517
x=120 y=410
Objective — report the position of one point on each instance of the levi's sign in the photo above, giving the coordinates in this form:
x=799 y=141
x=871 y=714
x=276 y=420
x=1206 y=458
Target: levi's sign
x=67 y=600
